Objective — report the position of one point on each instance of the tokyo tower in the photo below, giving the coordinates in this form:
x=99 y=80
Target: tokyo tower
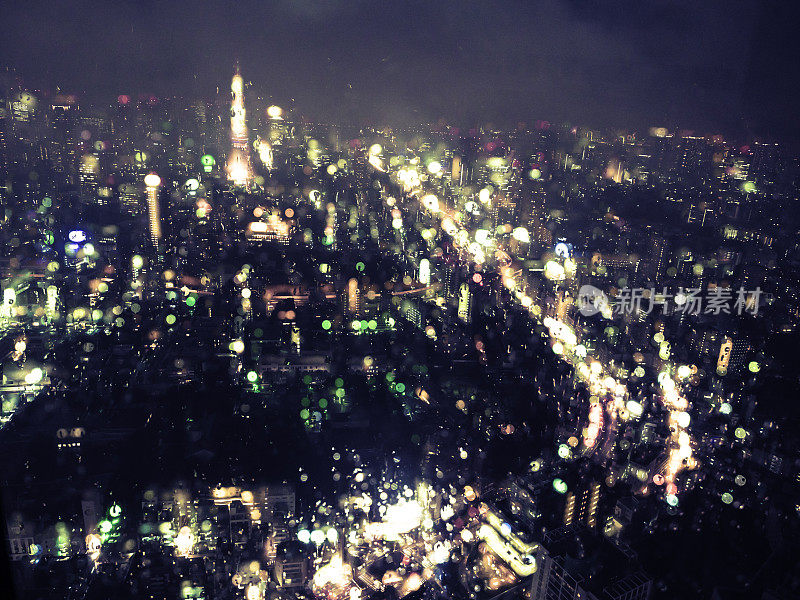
x=239 y=169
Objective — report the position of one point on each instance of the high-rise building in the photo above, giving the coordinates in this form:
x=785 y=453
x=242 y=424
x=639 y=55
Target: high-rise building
x=61 y=141
x=265 y=153
x=450 y=280
x=581 y=506
x=579 y=565
x=425 y=271
x=89 y=177
x=130 y=198
x=153 y=182
x=658 y=255
x=455 y=175
x=465 y=303
x=277 y=126
x=353 y=297
x=291 y=565
x=767 y=166
x=731 y=354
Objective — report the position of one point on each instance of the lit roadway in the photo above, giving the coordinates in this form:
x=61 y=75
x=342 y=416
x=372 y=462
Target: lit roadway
x=597 y=376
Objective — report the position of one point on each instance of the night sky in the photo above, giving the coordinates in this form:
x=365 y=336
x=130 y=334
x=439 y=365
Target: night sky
x=728 y=65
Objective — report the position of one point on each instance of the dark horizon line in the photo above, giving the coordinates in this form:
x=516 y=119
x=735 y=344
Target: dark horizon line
x=734 y=135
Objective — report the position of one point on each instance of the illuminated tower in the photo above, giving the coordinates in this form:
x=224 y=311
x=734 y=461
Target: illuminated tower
x=353 y=297
x=153 y=181
x=277 y=125
x=465 y=303
x=239 y=168
x=424 y=271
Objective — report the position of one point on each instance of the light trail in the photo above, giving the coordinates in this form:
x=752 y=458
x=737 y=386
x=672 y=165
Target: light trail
x=597 y=377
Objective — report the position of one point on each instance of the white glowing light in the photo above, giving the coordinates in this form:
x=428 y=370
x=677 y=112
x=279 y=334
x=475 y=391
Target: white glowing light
x=318 y=536
x=376 y=162
x=431 y=202
x=336 y=574
x=521 y=235
x=634 y=408
x=554 y=271
x=184 y=541
x=403 y=516
x=440 y=554
x=35 y=376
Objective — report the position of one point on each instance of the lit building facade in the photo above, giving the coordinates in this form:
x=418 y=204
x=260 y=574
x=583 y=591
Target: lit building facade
x=153 y=182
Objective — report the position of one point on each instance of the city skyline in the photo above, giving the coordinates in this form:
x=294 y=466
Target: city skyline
x=711 y=69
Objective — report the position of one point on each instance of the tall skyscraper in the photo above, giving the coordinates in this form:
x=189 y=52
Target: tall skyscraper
x=658 y=257
x=455 y=175
x=581 y=507
x=277 y=125
x=732 y=353
x=153 y=182
x=353 y=297
x=239 y=169
x=424 y=271
x=465 y=303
